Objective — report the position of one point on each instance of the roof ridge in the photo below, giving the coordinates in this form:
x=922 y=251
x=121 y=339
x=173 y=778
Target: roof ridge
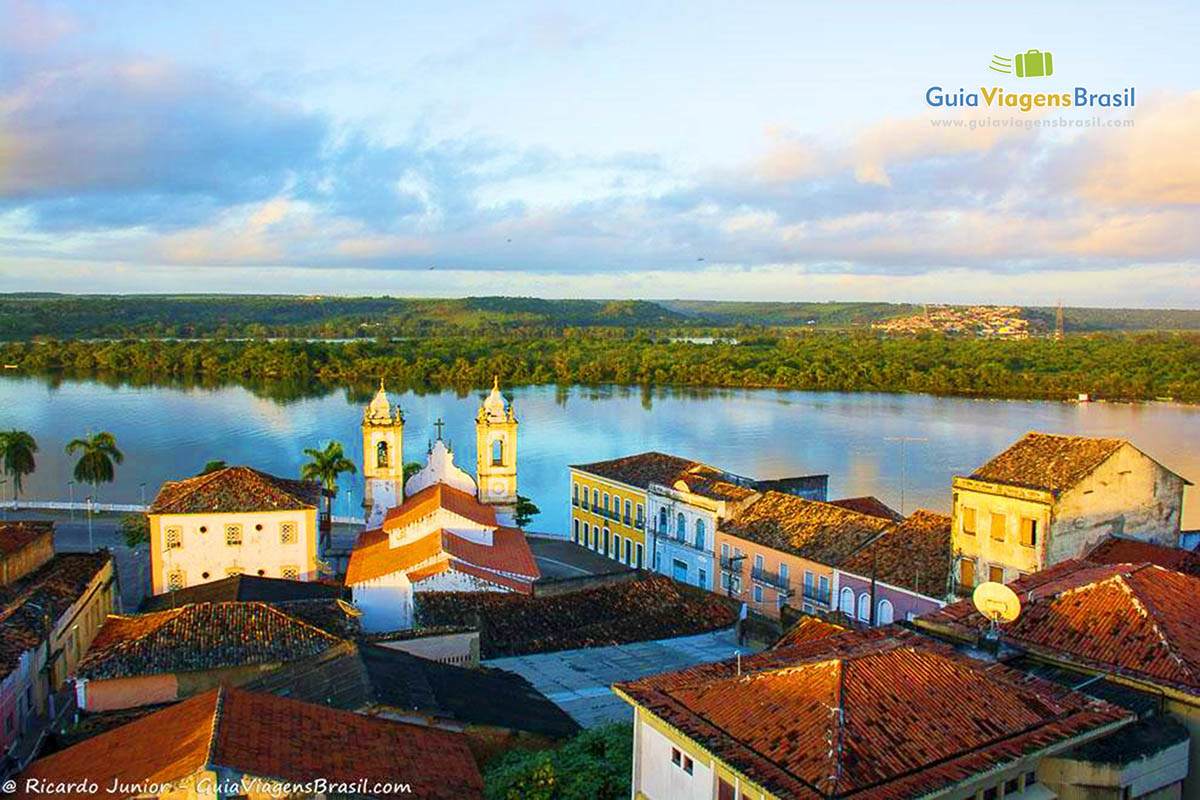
x=295 y=620
x=218 y=708
x=838 y=711
x=1152 y=617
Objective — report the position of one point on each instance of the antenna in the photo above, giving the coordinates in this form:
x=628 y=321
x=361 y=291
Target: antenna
x=998 y=603
x=350 y=609
x=1058 y=322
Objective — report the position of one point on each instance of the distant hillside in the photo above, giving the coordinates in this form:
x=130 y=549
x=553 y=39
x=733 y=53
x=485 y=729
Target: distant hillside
x=832 y=314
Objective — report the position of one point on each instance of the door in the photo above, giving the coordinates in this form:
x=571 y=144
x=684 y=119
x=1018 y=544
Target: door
x=679 y=570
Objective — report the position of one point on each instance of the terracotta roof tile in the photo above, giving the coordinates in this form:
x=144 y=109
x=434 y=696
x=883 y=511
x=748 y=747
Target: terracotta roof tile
x=905 y=715
x=55 y=586
x=509 y=552
x=263 y=735
x=1116 y=550
x=913 y=555
x=870 y=505
x=1136 y=620
x=235 y=489
x=1048 y=462
x=440 y=495
x=200 y=637
x=245 y=588
x=808 y=628
x=17 y=534
x=820 y=532
x=373 y=557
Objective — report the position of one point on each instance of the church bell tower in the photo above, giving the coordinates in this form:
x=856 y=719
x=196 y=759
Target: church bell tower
x=496 y=450
x=383 y=457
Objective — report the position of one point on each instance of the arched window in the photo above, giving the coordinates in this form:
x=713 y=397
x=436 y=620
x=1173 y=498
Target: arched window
x=662 y=521
x=680 y=527
x=497 y=452
x=864 y=607
x=884 y=617
x=699 y=534
x=381 y=454
x=847 y=603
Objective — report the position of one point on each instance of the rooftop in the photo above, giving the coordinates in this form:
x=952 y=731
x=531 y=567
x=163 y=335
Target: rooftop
x=1115 y=550
x=506 y=561
x=616 y=613
x=870 y=505
x=203 y=636
x=235 y=489
x=1048 y=462
x=245 y=588
x=819 y=532
x=359 y=676
x=914 y=555
x=1133 y=620
x=263 y=735
x=54 y=587
x=439 y=495
x=15 y=535
x=883 y=713
x=808 y=628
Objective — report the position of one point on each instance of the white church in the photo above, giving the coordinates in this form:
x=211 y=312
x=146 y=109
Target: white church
x=441 y=530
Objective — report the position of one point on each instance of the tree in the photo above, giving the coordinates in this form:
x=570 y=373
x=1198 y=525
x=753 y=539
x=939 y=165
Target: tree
x=525 y=511
x=410 y=469
x=96 y=465
x=324 y=467
x=212 y=466
x=16 y=453
x=595 y=765
x=135 y=528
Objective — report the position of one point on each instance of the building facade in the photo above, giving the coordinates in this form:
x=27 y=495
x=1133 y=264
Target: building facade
x=1048 y=498
x=684 y=519
x=235 y=521
x=496 y=451
x=383 y=457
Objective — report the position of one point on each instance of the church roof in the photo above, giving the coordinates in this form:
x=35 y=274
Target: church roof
x=235 y=489
x=440 y=495
x=507 y=562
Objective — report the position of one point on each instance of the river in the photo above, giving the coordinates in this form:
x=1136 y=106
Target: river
x=169 y=432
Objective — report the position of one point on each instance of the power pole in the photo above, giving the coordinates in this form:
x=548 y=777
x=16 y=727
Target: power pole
x=903 y=440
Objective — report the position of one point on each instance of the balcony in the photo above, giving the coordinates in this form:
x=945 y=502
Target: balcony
x=732 y=564
x=770 y=578
x=813 y=594
x=639 y=524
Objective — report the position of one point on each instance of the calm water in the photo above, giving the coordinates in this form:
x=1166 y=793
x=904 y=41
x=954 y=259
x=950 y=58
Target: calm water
x=171 y=432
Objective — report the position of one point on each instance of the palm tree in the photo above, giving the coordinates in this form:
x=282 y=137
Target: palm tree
x=16 y=452
x=100 y=453
x=324 y=468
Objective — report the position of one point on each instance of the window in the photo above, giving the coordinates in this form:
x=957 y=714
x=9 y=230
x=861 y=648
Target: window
x=586 y=530
x=885 y=612
x=680 y=527
x=783 y=573
x=847 y=603
x=998 y=524
x=616 y=554
x=574 y=494
x=606 y=501
x=174 y=538
x=758 y=562
x=641 y=515
x=291 y=573
x=628 y=511
x=584 y=500
x=725 y=790
x=809 y=580
x=992 y=793
x=676 y=757
x=175 y=580
x=381 y=455
x=687 y=765
x=606 y=541
x=724 y=554
x=679 y=570
x=662 y=521
x=639 y=555
x=1010 y=786
x=864 y=607
x=287 y=533
x=497 y=452
x=629 y=552
x=1028 y=532
x=968 y=521
x=575 y=532
x=233 y=534
x=823 y=589
x=758 y=593
x=1030 y=780
x=996 y=573
x=700 y=534
x=702 y=579
x=596 y=499
x=966 y=573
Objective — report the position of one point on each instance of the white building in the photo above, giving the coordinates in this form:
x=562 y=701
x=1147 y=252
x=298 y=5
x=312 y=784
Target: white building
x=683 y=523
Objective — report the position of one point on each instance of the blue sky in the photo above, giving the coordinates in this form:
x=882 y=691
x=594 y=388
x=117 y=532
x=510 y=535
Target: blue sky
x=742 y=151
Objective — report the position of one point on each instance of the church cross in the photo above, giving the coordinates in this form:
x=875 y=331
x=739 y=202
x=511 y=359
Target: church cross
x=438 y=425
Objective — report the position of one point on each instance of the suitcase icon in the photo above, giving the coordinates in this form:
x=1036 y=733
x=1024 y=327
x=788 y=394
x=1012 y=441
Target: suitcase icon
x=1034 y=64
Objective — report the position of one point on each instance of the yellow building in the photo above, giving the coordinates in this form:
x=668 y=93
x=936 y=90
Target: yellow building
x=383 y=457
x=1049 y=498
x=235 y=521
x=496 y=450
x=608 y=503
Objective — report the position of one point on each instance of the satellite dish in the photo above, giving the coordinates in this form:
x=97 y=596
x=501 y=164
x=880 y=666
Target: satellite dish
x=350 y=609
x=997 y=602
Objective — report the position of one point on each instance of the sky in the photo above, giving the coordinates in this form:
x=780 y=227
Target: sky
x=743 y=151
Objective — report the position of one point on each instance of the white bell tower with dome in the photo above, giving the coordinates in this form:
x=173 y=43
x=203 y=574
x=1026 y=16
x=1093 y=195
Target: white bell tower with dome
x=383 y=457
x=496 y=450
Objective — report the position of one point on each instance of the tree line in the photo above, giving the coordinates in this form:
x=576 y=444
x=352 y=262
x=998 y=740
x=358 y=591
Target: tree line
x=1113 y=365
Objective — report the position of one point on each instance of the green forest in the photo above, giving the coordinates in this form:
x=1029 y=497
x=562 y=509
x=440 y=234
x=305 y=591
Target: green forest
x=1111 y=366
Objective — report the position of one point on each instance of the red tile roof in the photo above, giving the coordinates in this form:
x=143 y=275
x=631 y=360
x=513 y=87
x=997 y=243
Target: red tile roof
x=373 y=556
x=870 y=505
x=913 y=555
x=440 y=495
x=819 y=532
x=642 y=469
x=883 y=714
x=235 y=489
x=267 y=736
x=17 y=534
x=509 y=554
x=200 y=637
x=1116 y=550
x=808 y=628
x=1136 y=620
x=1047 y=461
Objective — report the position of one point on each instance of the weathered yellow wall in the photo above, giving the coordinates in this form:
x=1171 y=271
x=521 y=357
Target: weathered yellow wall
x=616 y=526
